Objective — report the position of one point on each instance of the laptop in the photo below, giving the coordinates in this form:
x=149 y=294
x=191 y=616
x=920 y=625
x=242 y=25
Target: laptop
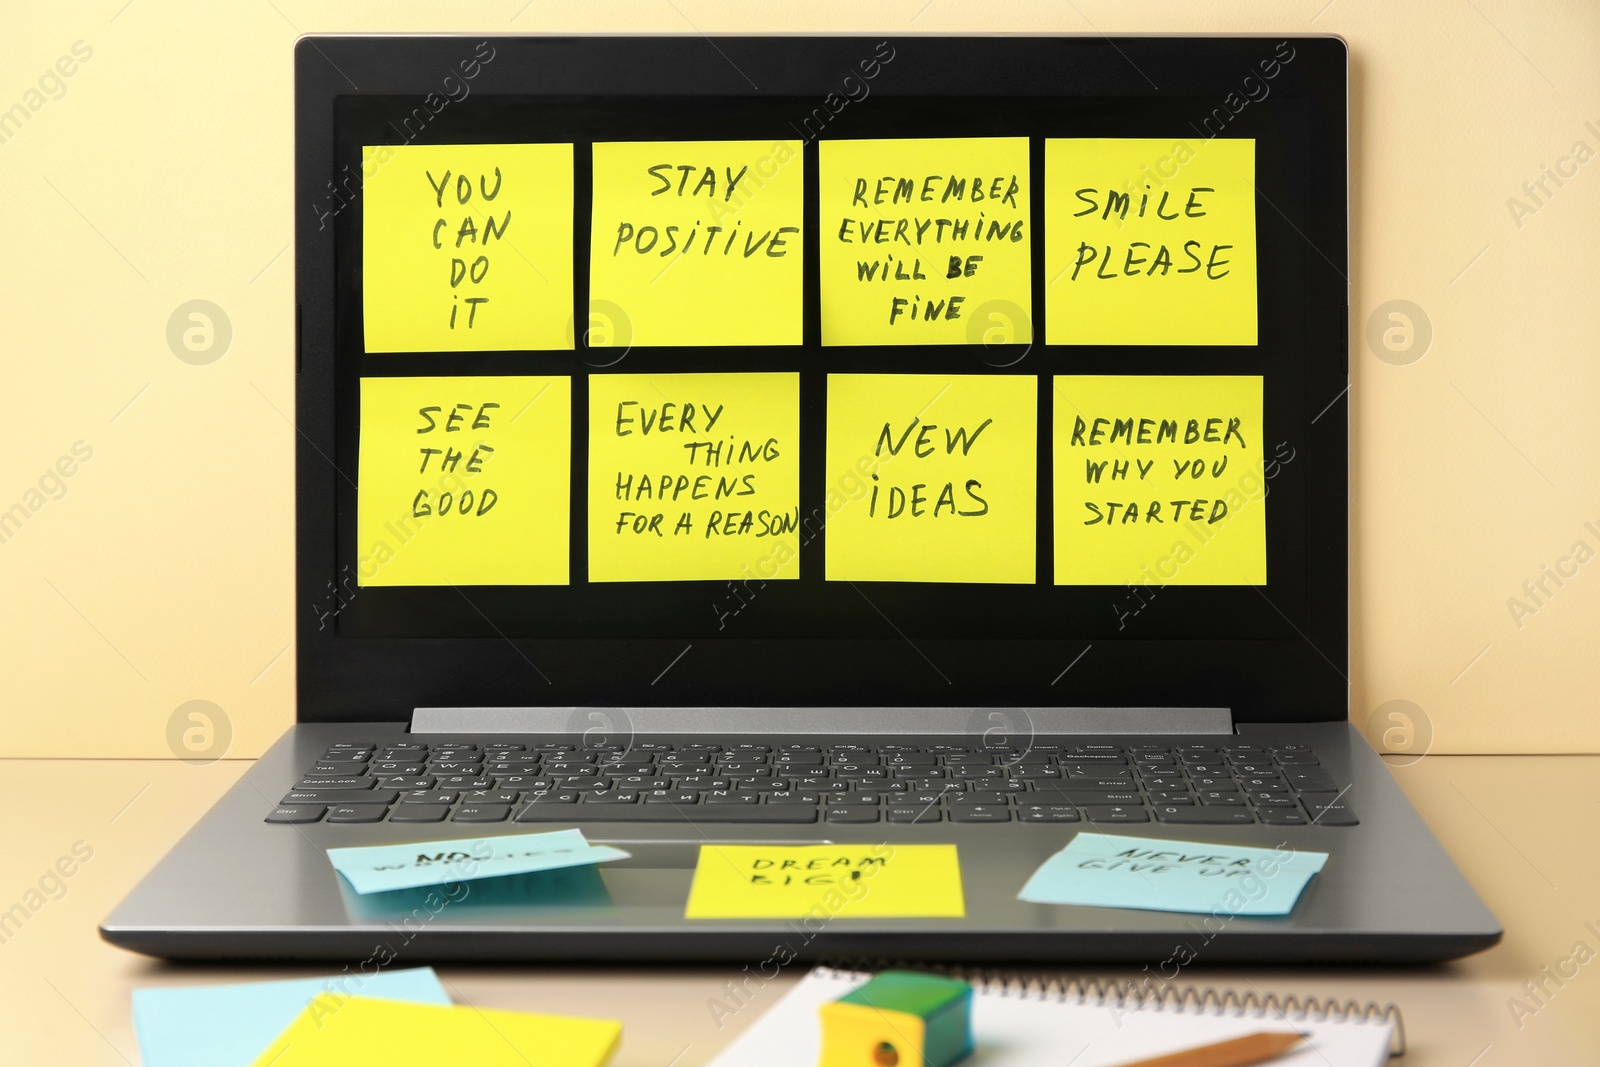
x=816 y=440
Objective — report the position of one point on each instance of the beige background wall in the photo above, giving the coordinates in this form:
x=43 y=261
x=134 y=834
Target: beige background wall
x=158 y=172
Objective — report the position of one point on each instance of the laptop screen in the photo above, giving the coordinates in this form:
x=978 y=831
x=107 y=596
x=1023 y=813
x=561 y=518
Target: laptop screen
x=854 y=391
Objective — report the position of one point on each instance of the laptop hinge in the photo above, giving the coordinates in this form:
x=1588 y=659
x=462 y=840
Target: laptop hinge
x=1010 y=723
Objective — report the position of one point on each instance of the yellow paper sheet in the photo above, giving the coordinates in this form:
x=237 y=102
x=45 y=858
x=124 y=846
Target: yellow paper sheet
x=337 y=1031
x=697 y=243
x=1150 y=241
x=1129 y=508
x=932 y=477
x=926 y=241
x=694 y=477
x=467 y=248
x=464 y=481
x=825 y=882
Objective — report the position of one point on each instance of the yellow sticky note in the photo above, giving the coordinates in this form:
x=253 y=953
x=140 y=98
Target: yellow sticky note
x=826 y=882
x=697 y=243
x=464 y=481
x=1159 y=480
x=932 y=477
x=694 y=477
x=1150 y=241
x=467 y=248
x=335 y=1031
x=926 y=241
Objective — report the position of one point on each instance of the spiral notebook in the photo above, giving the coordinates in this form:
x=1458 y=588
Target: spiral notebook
x=1021 y=1021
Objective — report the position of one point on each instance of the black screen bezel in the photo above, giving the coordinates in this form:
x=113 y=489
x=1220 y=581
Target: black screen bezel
x=352 y=679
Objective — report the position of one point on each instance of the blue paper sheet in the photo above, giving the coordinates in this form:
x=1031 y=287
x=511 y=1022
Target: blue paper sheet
x=380 y=868
x=1154 y=874
x=231 y=1025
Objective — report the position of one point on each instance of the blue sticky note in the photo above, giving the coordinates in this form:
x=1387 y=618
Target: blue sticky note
x=380 y=868
x=231 y=1025
x=1153 y=874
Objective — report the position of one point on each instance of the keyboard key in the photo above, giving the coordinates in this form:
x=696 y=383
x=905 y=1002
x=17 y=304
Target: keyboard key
x=482 y=813
x=1329 y=809
x=671 y=796
x=913 y=813
x=448 y=767
x=980 y=813
x=852 y=813
x=356 y=813
x=1172 y=797
x=610 y=796
x=419 y=813
x=423 y=781
x=337 y=796
x=292 y=813
x=1280 y=800
x=1090 y=796
x=491 y=796
x=337 y=783
x=1116 y=813
x=1047 y=813
x=332 y=770
x=345 y=756
x=1310 y=780
x=1282 y=816
x=794 y=797
x=1202 y=814
x=718 y=796
x=523 y=781
x=391 y=769
x=696 y=813
x=706 y=781
x=428 y=796
x=553 y=796
x=462 y=781
x=1219 y=799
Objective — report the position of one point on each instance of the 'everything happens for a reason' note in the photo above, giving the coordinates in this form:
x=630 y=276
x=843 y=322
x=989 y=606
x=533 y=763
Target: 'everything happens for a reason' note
x=1159 y=480
x=926 y=241
x=467 y=248
x=694 y=477
x=945 y=472
x=1150 y=241
x=464 y=481
x=697 y=243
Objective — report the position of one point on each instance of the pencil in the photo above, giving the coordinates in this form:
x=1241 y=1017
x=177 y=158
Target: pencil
x=1239 y=1052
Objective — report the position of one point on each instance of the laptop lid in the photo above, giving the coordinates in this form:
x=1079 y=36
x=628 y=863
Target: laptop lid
x=821 y=371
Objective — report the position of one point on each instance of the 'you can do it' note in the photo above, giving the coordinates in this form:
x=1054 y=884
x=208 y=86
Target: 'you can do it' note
x=467 y=248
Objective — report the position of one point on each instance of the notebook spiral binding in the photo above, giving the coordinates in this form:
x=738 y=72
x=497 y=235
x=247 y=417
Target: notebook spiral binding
x=1149 y=995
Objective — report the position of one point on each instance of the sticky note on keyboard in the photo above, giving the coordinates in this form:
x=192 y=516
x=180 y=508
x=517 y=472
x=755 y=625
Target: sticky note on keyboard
x=229 y=1025
x=381 y=868
x=333 y=1033
x=826 y=881
x=1153 y=874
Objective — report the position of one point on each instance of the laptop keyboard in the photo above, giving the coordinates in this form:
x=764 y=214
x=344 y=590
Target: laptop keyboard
x=1205 y=782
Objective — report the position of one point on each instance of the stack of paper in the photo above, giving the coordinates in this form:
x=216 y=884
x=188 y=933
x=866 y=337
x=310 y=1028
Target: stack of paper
x=398 y=1019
